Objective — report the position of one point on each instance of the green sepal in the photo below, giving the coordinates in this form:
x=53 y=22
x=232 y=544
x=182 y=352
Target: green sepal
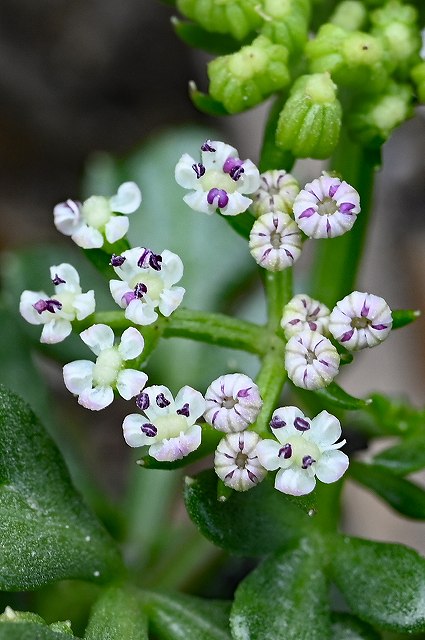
x=403 y=496
x=402 y=317
x=205 y=102
x=235 y=17
x=407 y=456
x=195 y=36
x=117 y=615
x=285 y=598
x=287 y=23
x=382 y=584
x=394 y=417
x=336 y=396
x=348 y=627
x=252 y=523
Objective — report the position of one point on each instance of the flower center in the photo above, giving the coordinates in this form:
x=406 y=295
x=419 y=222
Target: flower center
x=275 y=239
x=303 y=448
x=170 y=426
x=229 y=403
x=310 y=356
x=152 y=281
x=96 y=211
x=241 y=460
x=360 y=323
x=66 y=298
x=219 y=180
x=107 y=367
x=327 y=207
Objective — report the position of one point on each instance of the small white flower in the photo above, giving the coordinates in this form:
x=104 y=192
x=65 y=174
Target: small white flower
x=360 y=320
x=305 y=449
x=168 y=425
x=147 y=281
x=311 y=360
x=277 y=192
x=303 y=312
x=326 y=207
x=275 y=241
x=236 y=461
x=218 y=181
x=57 y=312
x=233 y=403
x=95 y=219
x=94 y=382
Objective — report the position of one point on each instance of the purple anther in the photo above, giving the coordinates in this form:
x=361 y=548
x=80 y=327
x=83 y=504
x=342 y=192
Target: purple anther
x=149 y=429
x=116 y=261
x=294 y=321
x=234 y=167
x=285 y=451
x=142 y=401
x=207 y=147
x=346 y=207
x=312 y=325
x=379 y=326
x=128 y=297
x=333 y=189
x=57 y=280
x=365 y=310
x=162 y=401
x=139 y=290
x=308 y=213
x=277 y=423
x=143 y=261
x=301 y=424
x=252 y=476
x=47 y=305
x=346 y=336
x=243 y=393
x=199 y=169
x=155 y=261
x=184 y=411
x=219 y=195
x=307 y=462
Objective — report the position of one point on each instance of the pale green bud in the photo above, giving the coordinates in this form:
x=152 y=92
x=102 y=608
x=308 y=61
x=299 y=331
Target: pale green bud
x=286 y=22
x=350 y=15
x=418 y=77
x=244 y=79
x=235 y=17
x=310 y=121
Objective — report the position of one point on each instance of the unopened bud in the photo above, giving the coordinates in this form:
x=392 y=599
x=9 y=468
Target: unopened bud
x=286 y=22
x=237 y=18
x=349 y=15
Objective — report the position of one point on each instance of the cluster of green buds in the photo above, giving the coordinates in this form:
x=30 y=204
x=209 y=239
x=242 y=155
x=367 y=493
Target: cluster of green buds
x=361 y=68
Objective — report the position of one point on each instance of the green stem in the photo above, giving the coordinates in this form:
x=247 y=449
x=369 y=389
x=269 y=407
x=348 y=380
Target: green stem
x=270 y=381
x=278 y=289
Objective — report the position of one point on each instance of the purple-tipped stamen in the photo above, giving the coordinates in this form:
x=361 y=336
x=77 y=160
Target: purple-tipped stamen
x=149 y=430
x=155 y=261
x=219 y=195
x=142 y=401
x=47 y=305
x=117 y=261
x=243 y=393
x=277 y=423
x=184 y=411
x=139 y=290
x=162 y=401
x=199 y=169
x=128 y=297
x=307 y=462
x=207 y=147
x=285 y=451
x=57 y=280
x=301 y=424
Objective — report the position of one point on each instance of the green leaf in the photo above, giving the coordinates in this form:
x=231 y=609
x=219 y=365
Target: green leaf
x=394 y=417
x=193 y=35
x=337 y=397
x=253 y=523
x=181 y=617
x=117 y=615
x=402 y=317
x=384 y=584
x=348 y=627
x=403 y=496
x=285 y=598
x=405 y=457
x=205 y=103
x=47 y=532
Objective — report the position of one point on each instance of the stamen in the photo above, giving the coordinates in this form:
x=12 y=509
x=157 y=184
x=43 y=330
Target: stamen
x=218 y=194
x=162 y=401
x=207 y=147
x=277 y=423
x=307 y=462
x=116 y=261
x=199 y=169
x=140 y=289
x=243 y=393
x=184 y=411
x=57 y=280
x=149 y=429
x=142 y=401
x=285 y=451
x=301 y=424
x=47 y=305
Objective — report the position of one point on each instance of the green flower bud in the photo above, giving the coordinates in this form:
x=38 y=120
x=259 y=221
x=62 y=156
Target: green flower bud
x=310 y=120
x=418 y=77
x=236 y=17
x=243 y=79
x=286 y=22
x=350 y=15
x=354 y=59
x=370 y=121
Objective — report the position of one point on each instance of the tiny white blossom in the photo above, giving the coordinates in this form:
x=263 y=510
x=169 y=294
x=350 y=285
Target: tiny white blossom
x=57 y=312
x=277 y=192
x=219 y=180
x=90 y=222
x=167 y=425
x=360 y=320
x=236 y=462
x=94 y=382
x=303 y=312
x=305 y=449
x=275 y=241
x=327 y=207
x=311 y=360
x=233 y=403
x=146 y=283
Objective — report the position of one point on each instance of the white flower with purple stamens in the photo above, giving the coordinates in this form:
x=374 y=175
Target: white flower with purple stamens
x=57 y=312
x=146 y=283
x=236 y=462
x=167 y=426
x=326 y=207
x=277 y=192
x=90 y=222
x=94 y=382
x=303 y=312
x=233 y=403
x=360 y=320
x=219 y=180
x=311 y=360
x=305 y=449
x=275 y=241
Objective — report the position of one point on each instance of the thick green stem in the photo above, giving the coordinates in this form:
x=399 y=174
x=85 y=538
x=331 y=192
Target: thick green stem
x=270 y=381
x=278 y=288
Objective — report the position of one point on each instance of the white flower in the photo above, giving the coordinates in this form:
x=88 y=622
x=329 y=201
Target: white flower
x=306 y=449
x=360 y=320
x=233 y=402
x=326 y=207
x=219 y=180
x=277 y=192
x=94 y=382
x=147 y=281
x=303 y=312
x=275 y=241
x=167 y=425
x=90 y=223
x=236 y=461
x=311 y=360
x=57 y=312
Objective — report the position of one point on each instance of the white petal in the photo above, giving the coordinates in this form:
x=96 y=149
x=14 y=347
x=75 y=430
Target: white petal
x=127 y=199
x=118 y=290
x=67 y=217
x=331 y=466
x=194 y=399
x=172 y=268
x=250 y=177
x=268 y=454
x=197 y=200
x=141 y=312
x=97 y=398
x=133 y=434
x=325 y=430
x=170 y=299
x=177 y=448
x=184 y=174
x=286 y=416
x=131 y=345
x=88 y=237
x=55 y=331
x=295 y=482
x=78 y=375
x=130 y=382
x=69 y=274
x=237 y=204
x=26 y=308
x=116 y=228
x=153 y=411
x=84 y=305
x=98 y=337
